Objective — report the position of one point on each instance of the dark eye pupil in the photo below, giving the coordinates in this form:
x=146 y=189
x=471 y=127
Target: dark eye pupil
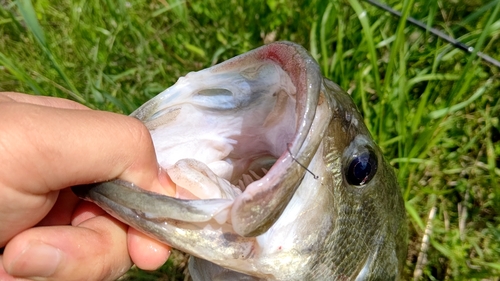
x=362 y=168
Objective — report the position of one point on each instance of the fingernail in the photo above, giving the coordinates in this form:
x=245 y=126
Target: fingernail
x=37 y=260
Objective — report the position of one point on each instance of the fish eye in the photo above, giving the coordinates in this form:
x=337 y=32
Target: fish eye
x=362 y=168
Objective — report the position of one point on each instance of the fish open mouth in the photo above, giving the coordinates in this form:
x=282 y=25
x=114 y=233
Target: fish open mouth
x=235 y=119
x=243 y=130
x=234 y=124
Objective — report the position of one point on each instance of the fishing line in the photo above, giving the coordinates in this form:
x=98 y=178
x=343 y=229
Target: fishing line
x=295 y=159
x=436 y=32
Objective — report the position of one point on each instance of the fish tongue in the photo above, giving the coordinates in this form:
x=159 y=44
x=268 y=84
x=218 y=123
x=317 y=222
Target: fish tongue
x=195 y=180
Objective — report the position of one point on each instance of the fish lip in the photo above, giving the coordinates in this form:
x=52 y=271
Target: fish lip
x=119 y=196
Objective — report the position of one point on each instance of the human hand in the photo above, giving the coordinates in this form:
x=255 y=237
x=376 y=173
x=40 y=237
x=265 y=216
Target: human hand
x=47 y=145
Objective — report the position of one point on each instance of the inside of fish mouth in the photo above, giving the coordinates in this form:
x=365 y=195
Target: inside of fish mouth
x=255 y=171
x=238 y=136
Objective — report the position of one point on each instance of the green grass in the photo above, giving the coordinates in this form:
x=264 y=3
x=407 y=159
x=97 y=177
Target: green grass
x=433 y=109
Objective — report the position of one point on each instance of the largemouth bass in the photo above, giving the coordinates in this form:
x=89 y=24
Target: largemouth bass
x=278 y=176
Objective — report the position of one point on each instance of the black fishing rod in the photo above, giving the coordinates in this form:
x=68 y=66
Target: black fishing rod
x=436 y=32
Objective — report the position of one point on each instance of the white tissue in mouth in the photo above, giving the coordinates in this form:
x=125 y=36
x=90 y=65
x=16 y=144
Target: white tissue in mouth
x=227 y=120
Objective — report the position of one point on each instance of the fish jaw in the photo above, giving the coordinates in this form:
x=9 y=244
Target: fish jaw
x=289 y=223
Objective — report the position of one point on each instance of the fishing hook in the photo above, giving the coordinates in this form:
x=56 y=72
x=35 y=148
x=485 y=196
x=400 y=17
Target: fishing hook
x=295 y=159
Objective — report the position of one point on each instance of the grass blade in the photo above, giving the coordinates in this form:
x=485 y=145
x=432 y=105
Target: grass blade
x=20 y=74
x=28 y=13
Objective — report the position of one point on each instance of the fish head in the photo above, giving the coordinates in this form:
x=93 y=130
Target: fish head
x=277 y=176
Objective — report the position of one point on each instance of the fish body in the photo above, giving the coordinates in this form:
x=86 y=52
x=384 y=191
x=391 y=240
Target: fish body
x=277 y=176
